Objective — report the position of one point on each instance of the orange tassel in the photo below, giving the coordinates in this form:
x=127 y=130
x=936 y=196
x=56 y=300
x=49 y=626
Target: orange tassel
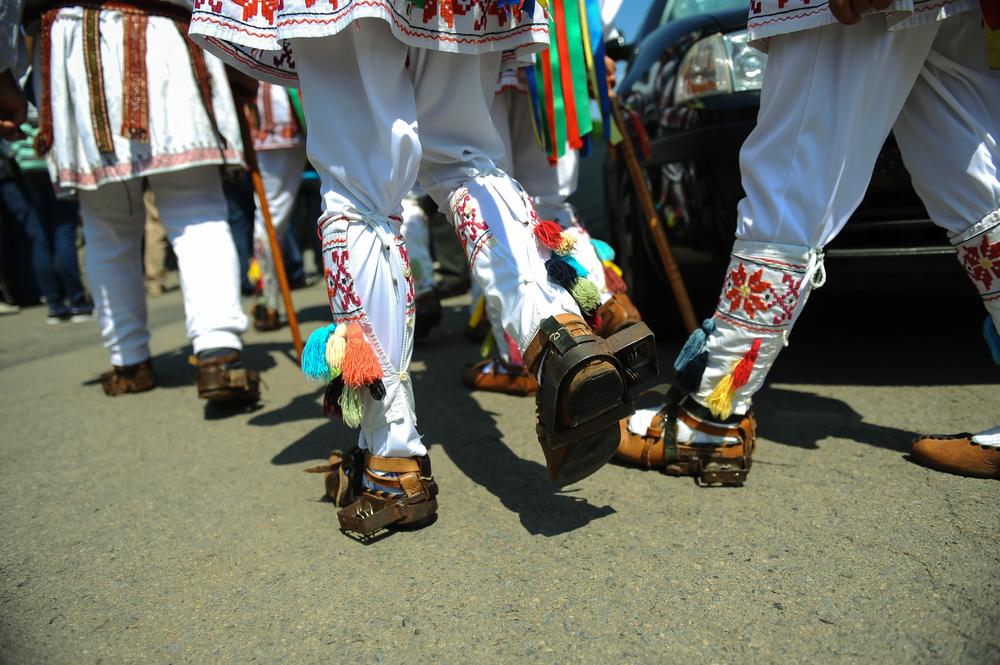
x=360 y=366
x=720 y=400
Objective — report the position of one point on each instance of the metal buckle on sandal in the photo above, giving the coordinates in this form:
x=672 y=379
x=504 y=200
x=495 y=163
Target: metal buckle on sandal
x=715 y=473
x=369 y=514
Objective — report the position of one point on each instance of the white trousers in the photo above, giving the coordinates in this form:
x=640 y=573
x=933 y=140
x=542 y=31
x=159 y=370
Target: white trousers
x=412 y=113
x=193 y=213
x=281 y=173
x=549 y=186
x=831 y=95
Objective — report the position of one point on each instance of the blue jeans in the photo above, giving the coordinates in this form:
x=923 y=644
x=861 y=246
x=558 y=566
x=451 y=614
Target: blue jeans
x=51 y=226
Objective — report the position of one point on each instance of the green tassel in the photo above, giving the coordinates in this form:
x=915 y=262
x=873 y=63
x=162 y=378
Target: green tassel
x=350 y=407
x=586 y=295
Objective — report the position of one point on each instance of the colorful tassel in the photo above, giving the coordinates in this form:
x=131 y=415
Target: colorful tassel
x=720 y=400
x=566 y=246
x=377 y=389
x=992 y=339
x=350 y=407
x=614 y=268
x=488 y=348
x=478 y=312
x=548 y=234
x=254 y=273
x=586 y=295
x=597 y=322
x=360 y=366
x=689 y=377
x=331 y=407
x=335 y=347
x=314 y=355
x=613 y=281
x=513 y=353
x=580 y=270
x=694 y=345
x=604 y=251
x=561 y=273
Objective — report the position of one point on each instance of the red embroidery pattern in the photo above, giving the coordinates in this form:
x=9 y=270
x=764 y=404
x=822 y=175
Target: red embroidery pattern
x=265 y=8
x=471 y=230
x=310 y=3
x=982 y=261
x=339 y=282
x=748 y=292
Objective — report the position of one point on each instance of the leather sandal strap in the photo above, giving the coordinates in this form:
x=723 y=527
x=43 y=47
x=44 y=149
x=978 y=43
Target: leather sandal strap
x=712 y=430
x=392 y=464
x=533 y=354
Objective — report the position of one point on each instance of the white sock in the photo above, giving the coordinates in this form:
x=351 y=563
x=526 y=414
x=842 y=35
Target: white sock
x=990 y=437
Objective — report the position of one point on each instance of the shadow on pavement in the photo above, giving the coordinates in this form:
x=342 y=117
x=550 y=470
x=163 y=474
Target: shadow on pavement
x=466 y=433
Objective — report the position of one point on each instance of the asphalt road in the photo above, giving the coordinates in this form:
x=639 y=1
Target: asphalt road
x=147 y=529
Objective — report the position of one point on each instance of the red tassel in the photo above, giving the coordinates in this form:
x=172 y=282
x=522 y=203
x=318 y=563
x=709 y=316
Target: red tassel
x=741 y=373
x=613 y=282
x=513 y=351
x=548 y=234
x=360 y=367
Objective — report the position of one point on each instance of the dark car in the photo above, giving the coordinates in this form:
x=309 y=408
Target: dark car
x=693 y=90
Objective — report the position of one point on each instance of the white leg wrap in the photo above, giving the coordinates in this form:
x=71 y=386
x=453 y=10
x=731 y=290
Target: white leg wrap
x=765 y=289
x=979 y=253
x=494 y=220
x=369 y=283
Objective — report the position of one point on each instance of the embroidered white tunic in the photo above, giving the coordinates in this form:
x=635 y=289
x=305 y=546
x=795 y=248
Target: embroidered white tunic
x=181 y=134
x=254 y=35
x=777 y=17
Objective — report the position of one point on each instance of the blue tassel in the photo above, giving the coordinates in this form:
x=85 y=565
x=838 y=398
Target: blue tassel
x=605 y=252
x=689 y=378
x=992 y=339
x=694 y=345
x=314 y=354
x=580 y=270
x=561 y=273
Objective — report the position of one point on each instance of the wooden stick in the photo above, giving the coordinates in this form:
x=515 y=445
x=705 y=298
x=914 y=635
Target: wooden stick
x=653 y=220
x=250 y=156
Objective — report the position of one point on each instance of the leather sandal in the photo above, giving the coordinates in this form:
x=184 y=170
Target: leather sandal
x=618 y=313
x=587 y=386
x=265 y=319
x=724 y=464
x=497 y=376
x=224 y=379
x=137 y=378
x=409 y=501
x=958 y=454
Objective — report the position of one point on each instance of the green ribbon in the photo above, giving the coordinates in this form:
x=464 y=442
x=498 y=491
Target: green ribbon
x=578 y=66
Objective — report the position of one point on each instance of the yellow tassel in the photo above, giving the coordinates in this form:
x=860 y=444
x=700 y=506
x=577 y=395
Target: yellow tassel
x=253 y=272
x=567 y=245
x=478 y=312
x=613 y=266
x=489 y=347
x=720 y=400
x=335 y=346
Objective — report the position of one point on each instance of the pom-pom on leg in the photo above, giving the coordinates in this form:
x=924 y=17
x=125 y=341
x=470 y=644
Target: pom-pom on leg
x=331 y=406
x=350 y=407
x=694 y=345
x=720 y=400
x=360 y=367
x=561 y=273
x=604 y=251
x=548 y=234
x=586 y=295
x=314 y=364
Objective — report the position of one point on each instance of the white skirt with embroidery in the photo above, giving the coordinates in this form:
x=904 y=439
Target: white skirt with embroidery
x=778 y=17
x=181 y=135
x=277 y=128
x=254 y=36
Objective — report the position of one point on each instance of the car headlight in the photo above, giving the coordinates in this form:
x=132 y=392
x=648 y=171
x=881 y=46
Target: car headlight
x=718 y=65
